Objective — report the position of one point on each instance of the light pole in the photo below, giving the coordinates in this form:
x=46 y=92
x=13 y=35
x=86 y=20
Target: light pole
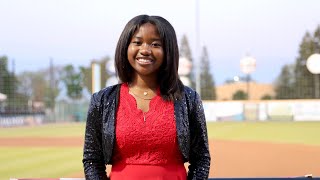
x=197 y=54
x=313 y=65
x=247 y=66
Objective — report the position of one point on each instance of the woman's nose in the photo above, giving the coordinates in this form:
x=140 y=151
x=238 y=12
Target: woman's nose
x=145 y=49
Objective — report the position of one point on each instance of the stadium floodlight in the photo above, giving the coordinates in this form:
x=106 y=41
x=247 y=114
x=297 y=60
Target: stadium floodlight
x=313 y=65
x=236 y=78
x=247 y=66
x=3 y=97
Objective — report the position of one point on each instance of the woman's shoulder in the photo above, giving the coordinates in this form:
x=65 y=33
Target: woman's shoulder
x=106 y=92
x=109 y=89
x=189 y=92
x=188 y=89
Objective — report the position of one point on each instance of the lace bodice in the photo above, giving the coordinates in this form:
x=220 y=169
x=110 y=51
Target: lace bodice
x=153 y=141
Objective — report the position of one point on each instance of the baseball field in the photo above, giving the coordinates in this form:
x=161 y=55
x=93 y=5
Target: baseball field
x=238 y=149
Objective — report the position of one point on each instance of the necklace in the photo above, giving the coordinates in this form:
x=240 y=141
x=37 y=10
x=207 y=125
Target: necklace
x=145 y=93
x=144 y=98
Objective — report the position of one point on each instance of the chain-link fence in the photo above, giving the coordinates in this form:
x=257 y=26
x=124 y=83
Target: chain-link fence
x=43 y=97
x=30 y=98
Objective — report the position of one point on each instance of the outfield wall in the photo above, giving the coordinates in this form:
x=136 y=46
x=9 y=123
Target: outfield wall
x=21 y=120
x=63 y=112
x=271 y=110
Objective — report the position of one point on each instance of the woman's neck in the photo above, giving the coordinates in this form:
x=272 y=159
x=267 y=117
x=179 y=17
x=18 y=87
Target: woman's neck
x=146 y=83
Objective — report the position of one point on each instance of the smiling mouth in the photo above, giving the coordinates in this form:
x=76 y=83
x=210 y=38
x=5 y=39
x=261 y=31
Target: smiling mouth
x=144 y=61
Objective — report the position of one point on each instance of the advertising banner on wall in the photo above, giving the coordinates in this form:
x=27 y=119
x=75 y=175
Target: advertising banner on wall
x=307 y=111
x=275 y=110
x=280 y=111
x=223 y=111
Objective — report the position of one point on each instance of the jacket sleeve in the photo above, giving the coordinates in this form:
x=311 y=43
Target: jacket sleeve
x=199 y=157
x=93 y=159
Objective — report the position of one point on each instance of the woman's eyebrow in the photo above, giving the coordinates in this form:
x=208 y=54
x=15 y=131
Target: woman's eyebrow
x=153 y=39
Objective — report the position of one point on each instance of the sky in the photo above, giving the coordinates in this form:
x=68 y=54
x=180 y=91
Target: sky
x=77 y=31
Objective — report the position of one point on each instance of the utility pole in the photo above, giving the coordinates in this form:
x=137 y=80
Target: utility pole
x=1 y=72
x=197 y=54
x=51 y=82
x=52 y=88
x=13 y=86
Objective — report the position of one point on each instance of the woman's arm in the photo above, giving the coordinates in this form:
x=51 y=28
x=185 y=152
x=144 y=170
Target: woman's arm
x=199 y=157
x=93 y=160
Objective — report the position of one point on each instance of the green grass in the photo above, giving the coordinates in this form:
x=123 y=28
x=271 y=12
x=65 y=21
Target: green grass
x=48 y=130
x=54 y=162
x=279 y=132
x=39 y=162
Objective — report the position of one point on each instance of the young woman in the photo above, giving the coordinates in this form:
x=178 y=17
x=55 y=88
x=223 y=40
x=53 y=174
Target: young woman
x=150 y=124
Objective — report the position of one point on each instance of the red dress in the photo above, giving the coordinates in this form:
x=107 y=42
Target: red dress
x=146 y=149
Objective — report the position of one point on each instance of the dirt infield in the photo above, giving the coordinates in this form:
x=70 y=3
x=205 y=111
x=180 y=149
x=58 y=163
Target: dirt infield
x=257 y=159
x=229 y=158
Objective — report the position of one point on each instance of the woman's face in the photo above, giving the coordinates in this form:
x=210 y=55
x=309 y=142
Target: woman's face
x=145 y=51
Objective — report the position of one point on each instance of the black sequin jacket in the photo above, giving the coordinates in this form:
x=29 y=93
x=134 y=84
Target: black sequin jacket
x=100 y=133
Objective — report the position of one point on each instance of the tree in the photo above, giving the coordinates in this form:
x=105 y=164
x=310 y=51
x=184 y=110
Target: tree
x=25 y=84
x=266 y=97
x=4 y=75
x=316 y=40
x=207 y=83
x=302 y=85
x=32 y=85
x=240 y=95
x=53 y=76
x=104 y=75
x=42 y=85
x=87 y=77
x=8 y=85
x=8 y=81
x=304 y=80
x=185 y=51
x=284 y=86
x=73 y=81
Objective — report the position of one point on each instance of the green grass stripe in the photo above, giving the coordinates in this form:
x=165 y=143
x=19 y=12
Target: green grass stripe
x=48 y=130
x=14 y=154
x=42 y=162
x=279 y=132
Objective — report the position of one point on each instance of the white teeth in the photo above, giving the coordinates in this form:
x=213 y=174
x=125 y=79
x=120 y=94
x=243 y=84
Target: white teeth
x=144 y=60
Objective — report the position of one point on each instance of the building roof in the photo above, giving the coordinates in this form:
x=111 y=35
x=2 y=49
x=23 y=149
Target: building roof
x=256 y=90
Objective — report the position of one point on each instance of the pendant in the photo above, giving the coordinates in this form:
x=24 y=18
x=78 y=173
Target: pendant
x=145 y=93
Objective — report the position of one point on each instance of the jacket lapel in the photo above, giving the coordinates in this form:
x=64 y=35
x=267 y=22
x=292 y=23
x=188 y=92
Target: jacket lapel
x=182 y=125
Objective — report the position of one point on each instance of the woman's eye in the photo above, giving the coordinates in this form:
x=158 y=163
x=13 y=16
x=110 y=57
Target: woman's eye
x=136 y=42
x=156 y=45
